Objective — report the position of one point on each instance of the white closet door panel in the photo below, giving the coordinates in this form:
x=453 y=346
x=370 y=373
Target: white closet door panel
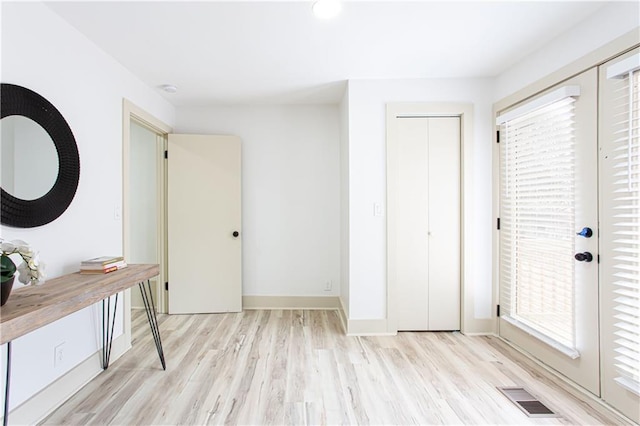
x=412 y=225
x=444 y=223
x=425 y=215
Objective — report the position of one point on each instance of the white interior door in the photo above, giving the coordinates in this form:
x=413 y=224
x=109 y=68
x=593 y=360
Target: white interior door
x=424 y=218
x=549 y=298
x=204 y=221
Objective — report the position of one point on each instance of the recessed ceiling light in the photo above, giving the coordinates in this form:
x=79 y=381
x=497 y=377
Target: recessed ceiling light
x=169 y=88
x=326 y=9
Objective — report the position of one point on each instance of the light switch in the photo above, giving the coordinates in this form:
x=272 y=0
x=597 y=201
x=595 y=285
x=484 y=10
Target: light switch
x=377 y=209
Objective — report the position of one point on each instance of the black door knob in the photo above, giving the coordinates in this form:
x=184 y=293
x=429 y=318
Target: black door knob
x=235 y=234
x=586 y=232
x=584 y=257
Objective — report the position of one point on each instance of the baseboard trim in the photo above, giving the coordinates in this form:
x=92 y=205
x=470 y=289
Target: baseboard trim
x=369 y=327
x=479 y=327
x=598 y=404
x=39 y=406
x=478 y=334
x=290 y=302
x=358 y=327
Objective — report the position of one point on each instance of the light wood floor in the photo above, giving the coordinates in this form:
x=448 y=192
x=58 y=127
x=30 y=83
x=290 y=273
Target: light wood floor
x=298 y=367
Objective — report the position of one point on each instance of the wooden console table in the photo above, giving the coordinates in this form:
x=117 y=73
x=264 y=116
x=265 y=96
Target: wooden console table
x=32 y=307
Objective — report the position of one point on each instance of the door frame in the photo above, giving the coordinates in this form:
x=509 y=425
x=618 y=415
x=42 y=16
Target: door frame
x=468 y=323
x=130 y=112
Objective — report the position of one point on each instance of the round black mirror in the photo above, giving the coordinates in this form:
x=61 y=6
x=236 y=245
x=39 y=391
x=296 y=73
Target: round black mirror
x=30 y=211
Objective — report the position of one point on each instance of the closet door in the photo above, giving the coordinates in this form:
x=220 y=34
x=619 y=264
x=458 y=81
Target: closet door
x=620 y=232
x=424 y=222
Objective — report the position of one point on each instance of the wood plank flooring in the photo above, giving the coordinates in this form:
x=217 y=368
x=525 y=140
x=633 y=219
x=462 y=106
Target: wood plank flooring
x=297 y=367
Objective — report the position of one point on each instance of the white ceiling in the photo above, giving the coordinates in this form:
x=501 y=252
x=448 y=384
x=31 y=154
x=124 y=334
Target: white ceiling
x=239 y=52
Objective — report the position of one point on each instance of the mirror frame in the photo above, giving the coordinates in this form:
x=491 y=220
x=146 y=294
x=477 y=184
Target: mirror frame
x=19 y=213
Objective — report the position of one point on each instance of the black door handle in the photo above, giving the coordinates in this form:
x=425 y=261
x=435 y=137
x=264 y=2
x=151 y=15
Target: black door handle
x=235 y=234
x=584 y=257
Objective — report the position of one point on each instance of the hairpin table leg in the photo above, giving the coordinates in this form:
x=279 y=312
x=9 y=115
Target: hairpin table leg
x=5 y=418
x=147 y=298
x=107 y=329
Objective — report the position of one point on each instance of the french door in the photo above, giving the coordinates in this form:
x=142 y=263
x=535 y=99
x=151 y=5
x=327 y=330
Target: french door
x=619 y=136
x=548 y=228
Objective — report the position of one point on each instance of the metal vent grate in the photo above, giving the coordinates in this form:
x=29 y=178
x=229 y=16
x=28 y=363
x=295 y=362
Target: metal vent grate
x=528 y=403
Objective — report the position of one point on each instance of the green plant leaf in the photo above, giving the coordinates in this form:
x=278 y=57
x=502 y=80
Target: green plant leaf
x=8 y=268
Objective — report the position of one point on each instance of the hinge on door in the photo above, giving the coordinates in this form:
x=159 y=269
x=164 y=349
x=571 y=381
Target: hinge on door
x=498 y=310
x=598 y=258
x=166 y=286
x=498 y=224
x=166 y=154
x=497 y=136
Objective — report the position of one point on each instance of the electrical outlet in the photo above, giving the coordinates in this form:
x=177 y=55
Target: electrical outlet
x=328 y=286
x=58 y=355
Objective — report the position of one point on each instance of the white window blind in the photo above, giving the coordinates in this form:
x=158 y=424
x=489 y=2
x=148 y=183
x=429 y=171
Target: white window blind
x=626 y=226
x=537 y=237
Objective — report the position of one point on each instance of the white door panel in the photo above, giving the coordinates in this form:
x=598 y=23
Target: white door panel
x=425 y=222
x=412 y=225
x=444 y=223
x=584 y=369
x=619 y=238
x=204 y=211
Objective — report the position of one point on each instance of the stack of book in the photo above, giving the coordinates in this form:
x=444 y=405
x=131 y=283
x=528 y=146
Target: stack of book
x=102 y=265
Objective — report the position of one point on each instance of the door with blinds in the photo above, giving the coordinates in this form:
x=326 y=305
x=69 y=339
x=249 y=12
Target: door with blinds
x=548 y=228
x=619 y=136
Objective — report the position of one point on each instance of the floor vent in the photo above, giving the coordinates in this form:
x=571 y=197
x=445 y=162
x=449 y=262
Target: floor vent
x=528 y=403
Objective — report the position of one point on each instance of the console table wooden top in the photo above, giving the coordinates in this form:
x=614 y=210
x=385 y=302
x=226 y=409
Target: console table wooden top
x=32 y=307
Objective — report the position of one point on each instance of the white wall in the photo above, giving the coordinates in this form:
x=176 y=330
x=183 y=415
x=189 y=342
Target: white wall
x=42 y=52
x=290 y=193
x=367 y=185
x=608 y=23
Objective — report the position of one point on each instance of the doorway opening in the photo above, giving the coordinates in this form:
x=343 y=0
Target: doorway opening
x=144 y=206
